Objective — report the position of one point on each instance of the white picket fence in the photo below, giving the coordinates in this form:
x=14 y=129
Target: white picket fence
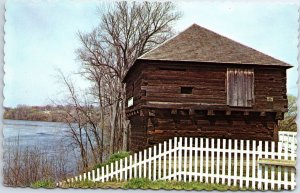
x=248 y=164
x=288 y=138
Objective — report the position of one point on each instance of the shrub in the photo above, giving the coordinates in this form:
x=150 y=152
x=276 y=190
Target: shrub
x=113 y=158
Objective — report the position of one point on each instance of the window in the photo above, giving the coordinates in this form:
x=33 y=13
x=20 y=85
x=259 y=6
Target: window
x=130 y=102
x=186 y=90
x=240 y=87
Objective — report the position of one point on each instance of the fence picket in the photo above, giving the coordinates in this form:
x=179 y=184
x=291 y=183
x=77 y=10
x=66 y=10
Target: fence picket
x=180 y=158
x=241 y=163
x=107 y=173
x=201 y=159
x=190 y=161
x=272 y=167
x=253 y=163
x=223 y=161
x=170 y=159
x=140 y=164
x=286 y=149
x=130 y=167
x=196 y=159
x=247 y=163
x=154 y=162
x=259 y=168
x=212 y=165
x=149 y=163
x=266 y=173
x=93 y=175
x=121 y=169
x=145 y=163
x=206 y=159
x=126 y=169
x=235 y=177
x=218 y=162
x=135 y=166
x=293 y=170
x=102 y=177
x=112 y=171
x=279 y=167
x=165 y=160
x=229 y=162
x=185 y=159
x=175 y=158
x=117 y=170
x=159 y=161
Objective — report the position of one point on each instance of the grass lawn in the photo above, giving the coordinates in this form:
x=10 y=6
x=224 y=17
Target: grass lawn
x=142 y=183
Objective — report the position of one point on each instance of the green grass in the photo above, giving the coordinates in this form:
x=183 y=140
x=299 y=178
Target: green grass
x=143 y=183
x=43 y=184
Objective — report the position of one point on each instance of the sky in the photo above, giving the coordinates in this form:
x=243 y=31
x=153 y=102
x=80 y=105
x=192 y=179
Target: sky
x=41 y=37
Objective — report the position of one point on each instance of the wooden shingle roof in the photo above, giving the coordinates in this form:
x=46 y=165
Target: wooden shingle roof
x=198 y=44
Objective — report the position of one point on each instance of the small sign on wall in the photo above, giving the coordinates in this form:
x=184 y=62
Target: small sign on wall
x=270 y=99
x=130 y=102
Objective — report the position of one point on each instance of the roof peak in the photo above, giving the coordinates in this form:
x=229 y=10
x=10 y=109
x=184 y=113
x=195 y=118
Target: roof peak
x=199 y=44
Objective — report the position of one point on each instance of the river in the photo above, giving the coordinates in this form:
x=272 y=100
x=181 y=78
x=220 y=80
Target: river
x=47 y=136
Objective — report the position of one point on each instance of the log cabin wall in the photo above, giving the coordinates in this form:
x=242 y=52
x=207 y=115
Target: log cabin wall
x=161 y=111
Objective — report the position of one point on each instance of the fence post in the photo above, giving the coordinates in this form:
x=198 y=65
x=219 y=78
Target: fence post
x=212 y=165
x=84 y=176
x=180 y=158
x=111 y=171
x=206 y=159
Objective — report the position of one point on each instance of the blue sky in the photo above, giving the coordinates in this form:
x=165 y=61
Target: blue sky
x=40 y=37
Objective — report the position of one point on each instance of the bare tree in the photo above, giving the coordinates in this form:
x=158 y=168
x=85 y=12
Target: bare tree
x=126 y=31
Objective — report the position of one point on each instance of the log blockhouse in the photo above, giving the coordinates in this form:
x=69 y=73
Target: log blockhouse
x=200 y=83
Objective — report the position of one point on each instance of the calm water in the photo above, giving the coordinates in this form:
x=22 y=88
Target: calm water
x=34 y=132
x=47 y=136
